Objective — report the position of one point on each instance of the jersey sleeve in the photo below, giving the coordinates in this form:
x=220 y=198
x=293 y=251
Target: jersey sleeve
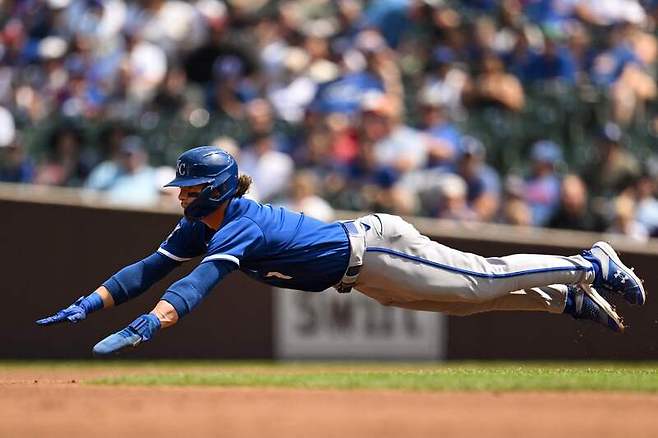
x=185 y=242
x=235 y=241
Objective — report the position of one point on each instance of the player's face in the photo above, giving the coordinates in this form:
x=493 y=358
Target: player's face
x=189 y=194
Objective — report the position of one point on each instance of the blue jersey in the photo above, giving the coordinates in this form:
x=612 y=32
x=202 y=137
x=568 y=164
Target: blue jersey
x=270 y=244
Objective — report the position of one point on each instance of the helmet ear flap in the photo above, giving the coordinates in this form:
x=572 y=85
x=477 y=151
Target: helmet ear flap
x=225 y=186
x=202 y=205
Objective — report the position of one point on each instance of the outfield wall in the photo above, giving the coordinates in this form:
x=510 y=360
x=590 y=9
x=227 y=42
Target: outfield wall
x=57 y=245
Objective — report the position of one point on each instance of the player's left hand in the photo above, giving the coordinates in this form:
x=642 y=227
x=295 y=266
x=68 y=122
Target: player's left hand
x=73 y=313
x=140 y=330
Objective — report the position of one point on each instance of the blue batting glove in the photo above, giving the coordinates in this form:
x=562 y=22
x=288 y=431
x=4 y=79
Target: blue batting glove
x=140 y=330
x=76 y=312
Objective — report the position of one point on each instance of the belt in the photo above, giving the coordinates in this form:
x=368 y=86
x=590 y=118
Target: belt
x=356 y=233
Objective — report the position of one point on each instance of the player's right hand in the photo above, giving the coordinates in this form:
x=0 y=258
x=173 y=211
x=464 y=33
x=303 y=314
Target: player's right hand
x=73 y=313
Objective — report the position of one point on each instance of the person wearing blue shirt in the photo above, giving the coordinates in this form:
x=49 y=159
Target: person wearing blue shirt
x=542 y=186
x=379 y=255
x=15 y=165
x=344 y=95
x=554 y=63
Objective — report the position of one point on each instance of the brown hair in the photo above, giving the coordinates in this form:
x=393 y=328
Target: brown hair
x=244 y=182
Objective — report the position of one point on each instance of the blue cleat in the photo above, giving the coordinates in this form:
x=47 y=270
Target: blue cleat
x=584 y=302
x=117 y=341
x=613 y=275
x=140 y=330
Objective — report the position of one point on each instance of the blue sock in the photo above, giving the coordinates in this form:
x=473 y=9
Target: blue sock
x=146 y=326
x=596 y=266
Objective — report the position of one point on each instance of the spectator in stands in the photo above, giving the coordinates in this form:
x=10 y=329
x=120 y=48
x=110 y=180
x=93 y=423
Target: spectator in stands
x=624 y=74
x=15 y=164
x=445 y=82
x=579 y=43
x=390 y=17
x=625 y=221
x=515 y=211
x=174 y=25
x=521 y=54
x=482 y=181
x=260 y=122
x=362 y=71
x=270 y=168
x=65 y=164
x=293 y=87
x=136 y=183
x=614 y=167
x=302 y=196
x=574 y=212
x=170 y=97
x=453 y=199
x=554 y=63
x=443 y=141
x=386 y=150
x=395 y=145
x=542 y=186
x=495 y=87
x=482 y=38
x=230 y=93
x=609 y=12
x=104 y=174
x=142 y=68
x=646 y=202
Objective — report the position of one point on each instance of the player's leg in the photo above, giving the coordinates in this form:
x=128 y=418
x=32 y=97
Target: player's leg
x=550 y=299
x=580 y=302
x=413 y=267
x=404 y=265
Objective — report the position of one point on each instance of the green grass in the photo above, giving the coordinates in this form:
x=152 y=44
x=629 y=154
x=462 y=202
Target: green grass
x=421 y=377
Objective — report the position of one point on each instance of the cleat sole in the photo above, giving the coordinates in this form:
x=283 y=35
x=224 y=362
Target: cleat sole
x=609 y=310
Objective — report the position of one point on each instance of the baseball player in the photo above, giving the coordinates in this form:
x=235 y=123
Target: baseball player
x=379 y=255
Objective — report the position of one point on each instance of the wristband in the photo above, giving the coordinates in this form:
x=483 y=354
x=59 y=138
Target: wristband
x=91 y=303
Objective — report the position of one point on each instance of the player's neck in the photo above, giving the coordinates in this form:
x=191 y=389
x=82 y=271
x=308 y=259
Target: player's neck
x=214 y=220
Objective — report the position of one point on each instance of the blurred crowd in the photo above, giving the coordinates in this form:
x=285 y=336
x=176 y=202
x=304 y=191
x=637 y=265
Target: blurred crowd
x=527 y=112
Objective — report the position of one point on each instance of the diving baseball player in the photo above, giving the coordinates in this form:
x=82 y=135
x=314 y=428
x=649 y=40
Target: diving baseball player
x=379 y=255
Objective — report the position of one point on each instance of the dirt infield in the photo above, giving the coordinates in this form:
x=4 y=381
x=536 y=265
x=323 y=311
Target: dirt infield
x=54 y=403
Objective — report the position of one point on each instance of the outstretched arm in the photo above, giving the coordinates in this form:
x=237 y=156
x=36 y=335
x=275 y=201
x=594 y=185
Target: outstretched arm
x=135 y=279
x=126 y=284
x=181 y=297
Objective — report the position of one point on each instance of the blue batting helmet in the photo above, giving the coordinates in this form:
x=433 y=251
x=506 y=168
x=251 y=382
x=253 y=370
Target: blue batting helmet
x=206 y=165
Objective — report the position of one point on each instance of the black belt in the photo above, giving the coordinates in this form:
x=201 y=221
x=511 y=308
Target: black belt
x=357 y=239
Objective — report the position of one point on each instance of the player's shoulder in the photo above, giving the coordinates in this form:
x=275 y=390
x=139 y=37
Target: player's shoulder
x=241 y=213
x=246 y=213
x=242 y=208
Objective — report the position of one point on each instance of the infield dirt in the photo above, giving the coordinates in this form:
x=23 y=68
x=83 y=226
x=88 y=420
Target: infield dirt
x=54 y=403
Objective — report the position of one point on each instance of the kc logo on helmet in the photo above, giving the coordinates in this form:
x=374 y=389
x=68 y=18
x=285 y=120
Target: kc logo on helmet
x=181 y=167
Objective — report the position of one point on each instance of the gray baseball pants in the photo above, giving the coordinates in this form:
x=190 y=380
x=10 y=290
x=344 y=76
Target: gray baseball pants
x=403 y=268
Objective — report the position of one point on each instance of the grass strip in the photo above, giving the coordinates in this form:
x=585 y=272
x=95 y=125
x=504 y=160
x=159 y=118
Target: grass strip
x=470 y=377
